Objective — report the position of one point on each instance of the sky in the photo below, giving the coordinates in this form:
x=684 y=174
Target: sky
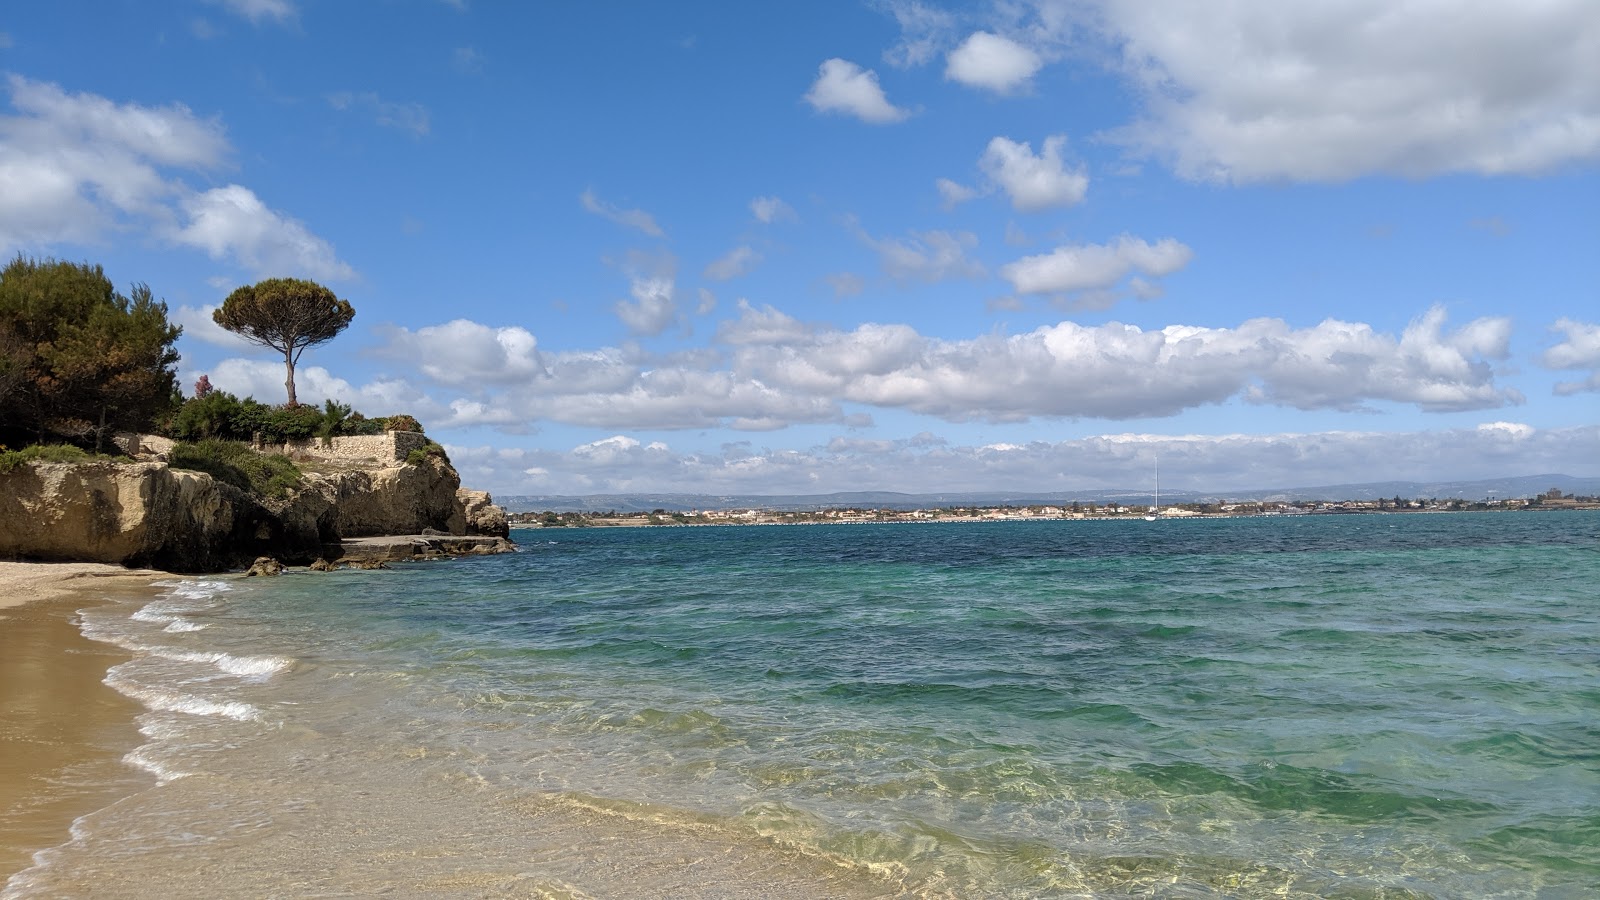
x=780 y=248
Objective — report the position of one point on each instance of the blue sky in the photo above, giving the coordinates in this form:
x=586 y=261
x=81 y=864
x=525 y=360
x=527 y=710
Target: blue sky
x=781 y=248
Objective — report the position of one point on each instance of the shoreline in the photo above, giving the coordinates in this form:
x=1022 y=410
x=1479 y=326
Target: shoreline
x=63 y=731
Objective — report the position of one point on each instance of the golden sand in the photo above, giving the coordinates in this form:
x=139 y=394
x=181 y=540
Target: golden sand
x=63 y=732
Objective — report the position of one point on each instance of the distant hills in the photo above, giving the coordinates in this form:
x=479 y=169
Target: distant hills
x=1488 y=489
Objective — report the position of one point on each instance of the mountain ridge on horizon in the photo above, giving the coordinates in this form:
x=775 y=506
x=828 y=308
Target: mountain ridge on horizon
x=643 y=501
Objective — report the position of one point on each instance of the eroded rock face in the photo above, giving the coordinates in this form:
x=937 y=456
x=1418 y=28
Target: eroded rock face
x=139 y=514
x=149 y=515
x=481 y=514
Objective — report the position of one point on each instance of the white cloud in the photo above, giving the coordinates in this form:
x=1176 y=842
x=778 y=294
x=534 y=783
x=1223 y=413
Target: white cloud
x=768 y=369
x=73 y=166
x=929 y=256
x=845 y=88
x=762 y=327
x=632 y=218
x=1261 y=90
x=198 y=324
x=259 y=10
x=412 y=117
x=463 y=353
x=924 y=462
x=769 y=210
x=1579 y=349
x=1095 y=267
x=924 y=31
x=992 y=62
x=736 y=262
x=653 y=308
x=1117 y=371
x=1032 y=182
x=231 y=222
x=953 y=194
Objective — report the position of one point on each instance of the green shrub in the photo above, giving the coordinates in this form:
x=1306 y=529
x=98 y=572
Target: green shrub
x=11 y=459
x=261 y=474
x=215 y=415
x=402 y=422
x=359 y=424
x=421 y=455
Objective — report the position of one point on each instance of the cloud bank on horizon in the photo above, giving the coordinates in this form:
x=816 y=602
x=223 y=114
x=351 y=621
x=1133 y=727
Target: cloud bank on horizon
x=901 y=245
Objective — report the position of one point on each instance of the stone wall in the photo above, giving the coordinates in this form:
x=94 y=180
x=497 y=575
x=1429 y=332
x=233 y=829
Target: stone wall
x=384 y=449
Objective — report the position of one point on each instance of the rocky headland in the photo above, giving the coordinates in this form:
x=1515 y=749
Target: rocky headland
x=144 y=513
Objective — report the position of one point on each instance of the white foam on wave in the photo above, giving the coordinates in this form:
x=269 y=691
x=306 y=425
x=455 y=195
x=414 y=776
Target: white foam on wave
x=140 y=759
x=176 y=701
x=252 y=667
x=181 y=626
x=195 y=590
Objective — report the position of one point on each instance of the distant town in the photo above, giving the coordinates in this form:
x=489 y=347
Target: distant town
x=1549 y=501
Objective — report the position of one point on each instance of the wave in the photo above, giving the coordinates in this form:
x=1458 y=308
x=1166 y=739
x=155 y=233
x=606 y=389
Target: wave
x=177 y=701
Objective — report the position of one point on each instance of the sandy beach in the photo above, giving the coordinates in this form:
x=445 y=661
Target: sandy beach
x=62 y=730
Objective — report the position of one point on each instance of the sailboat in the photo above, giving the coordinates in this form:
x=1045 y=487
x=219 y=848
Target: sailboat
x=1155 y=508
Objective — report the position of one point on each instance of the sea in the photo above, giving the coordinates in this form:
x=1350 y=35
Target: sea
x=1364 y=706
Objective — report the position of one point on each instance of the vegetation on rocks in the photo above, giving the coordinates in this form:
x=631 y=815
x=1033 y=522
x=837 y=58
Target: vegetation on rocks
x=262 y=475
x=57 y=453
x=219 y=414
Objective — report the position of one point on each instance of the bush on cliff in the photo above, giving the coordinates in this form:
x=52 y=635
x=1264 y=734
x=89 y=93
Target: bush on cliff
x=430 y=450
x=266 y=475
x=220 y=414
x=11 y=459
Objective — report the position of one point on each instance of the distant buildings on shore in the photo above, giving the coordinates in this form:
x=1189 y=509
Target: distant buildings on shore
x=1553 y=499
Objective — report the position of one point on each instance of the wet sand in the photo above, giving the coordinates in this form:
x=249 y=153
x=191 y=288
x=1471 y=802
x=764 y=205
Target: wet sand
x=63 y=732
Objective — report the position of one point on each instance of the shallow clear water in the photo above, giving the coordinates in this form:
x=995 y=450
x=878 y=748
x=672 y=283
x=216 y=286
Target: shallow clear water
x=1374 y=706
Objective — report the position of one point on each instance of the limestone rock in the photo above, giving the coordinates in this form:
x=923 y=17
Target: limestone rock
x=265 y=565
x=481 y=515
x=324 y=565
x=146 y=514
x=139 y=514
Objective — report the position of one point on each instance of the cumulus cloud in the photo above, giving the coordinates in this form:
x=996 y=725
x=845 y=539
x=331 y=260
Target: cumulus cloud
x=1078 y=268
x=1223 y=463
x=74 y=166
x=992 y=62
x=412 y=117
x=929 y=256
x=232 y=222
x=847 y=89
x=736 y=262
x=1579 y=349
x=1033 y=182
x=462 y=353
x=1267 y=91
x=654 y=307
x=632 y=218
x=768 y=210
x=768 y=369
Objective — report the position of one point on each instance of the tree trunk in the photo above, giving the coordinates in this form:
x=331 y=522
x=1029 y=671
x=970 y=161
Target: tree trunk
x=288 y=362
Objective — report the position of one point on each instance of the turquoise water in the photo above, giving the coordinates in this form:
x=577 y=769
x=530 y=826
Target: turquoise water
x=1372 y=706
